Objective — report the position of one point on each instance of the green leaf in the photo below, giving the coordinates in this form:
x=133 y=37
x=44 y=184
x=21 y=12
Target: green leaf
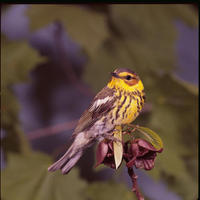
x=17 y=59
x=86 y=27
x=152 y=137
x=144 y=45
x=174 y=117
x=26 y=177
x=142 y=41
x=190 y=87
x=110 y=190
x=140 y=46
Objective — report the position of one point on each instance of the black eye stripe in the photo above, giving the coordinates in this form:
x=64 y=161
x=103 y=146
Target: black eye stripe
x=127 y=77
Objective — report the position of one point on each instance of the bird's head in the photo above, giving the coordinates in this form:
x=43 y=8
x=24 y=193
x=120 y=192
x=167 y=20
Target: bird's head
x=125 y=79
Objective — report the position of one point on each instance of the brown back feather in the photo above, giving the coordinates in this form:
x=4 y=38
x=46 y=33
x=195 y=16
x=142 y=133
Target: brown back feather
x=88 y=118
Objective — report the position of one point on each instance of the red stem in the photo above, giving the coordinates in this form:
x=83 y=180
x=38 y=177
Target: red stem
x=134 y=181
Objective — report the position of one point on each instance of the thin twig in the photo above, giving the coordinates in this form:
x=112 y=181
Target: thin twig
x=52 y=130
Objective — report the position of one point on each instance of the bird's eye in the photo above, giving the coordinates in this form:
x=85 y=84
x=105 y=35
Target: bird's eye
x=128 y=77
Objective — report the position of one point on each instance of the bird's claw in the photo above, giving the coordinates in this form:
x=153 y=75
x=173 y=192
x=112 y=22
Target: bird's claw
x=112 y=138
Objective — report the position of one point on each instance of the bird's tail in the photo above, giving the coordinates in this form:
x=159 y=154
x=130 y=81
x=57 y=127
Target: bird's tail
x=71 y=157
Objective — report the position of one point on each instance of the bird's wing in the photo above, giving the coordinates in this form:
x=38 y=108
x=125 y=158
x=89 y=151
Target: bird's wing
x=102 y=103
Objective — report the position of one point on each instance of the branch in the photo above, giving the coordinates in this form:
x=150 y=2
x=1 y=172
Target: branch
x=134 y=181
x=52 y=130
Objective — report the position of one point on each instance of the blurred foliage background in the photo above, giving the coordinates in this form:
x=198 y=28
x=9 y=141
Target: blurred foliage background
x=54 y=58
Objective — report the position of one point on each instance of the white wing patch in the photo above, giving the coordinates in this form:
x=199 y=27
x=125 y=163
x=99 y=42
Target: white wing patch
x=99 y=102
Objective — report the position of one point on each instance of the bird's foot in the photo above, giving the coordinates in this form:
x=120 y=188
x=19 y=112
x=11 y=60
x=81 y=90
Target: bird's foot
x=111 y=137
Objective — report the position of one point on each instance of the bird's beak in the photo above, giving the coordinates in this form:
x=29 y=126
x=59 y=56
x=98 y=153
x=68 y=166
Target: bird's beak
x=114 y=75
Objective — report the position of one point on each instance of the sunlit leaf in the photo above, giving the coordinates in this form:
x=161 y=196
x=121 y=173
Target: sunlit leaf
x=118 y=147
x=152 y=137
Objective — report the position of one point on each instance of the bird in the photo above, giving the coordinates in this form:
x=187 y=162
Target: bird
x=117 y=104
